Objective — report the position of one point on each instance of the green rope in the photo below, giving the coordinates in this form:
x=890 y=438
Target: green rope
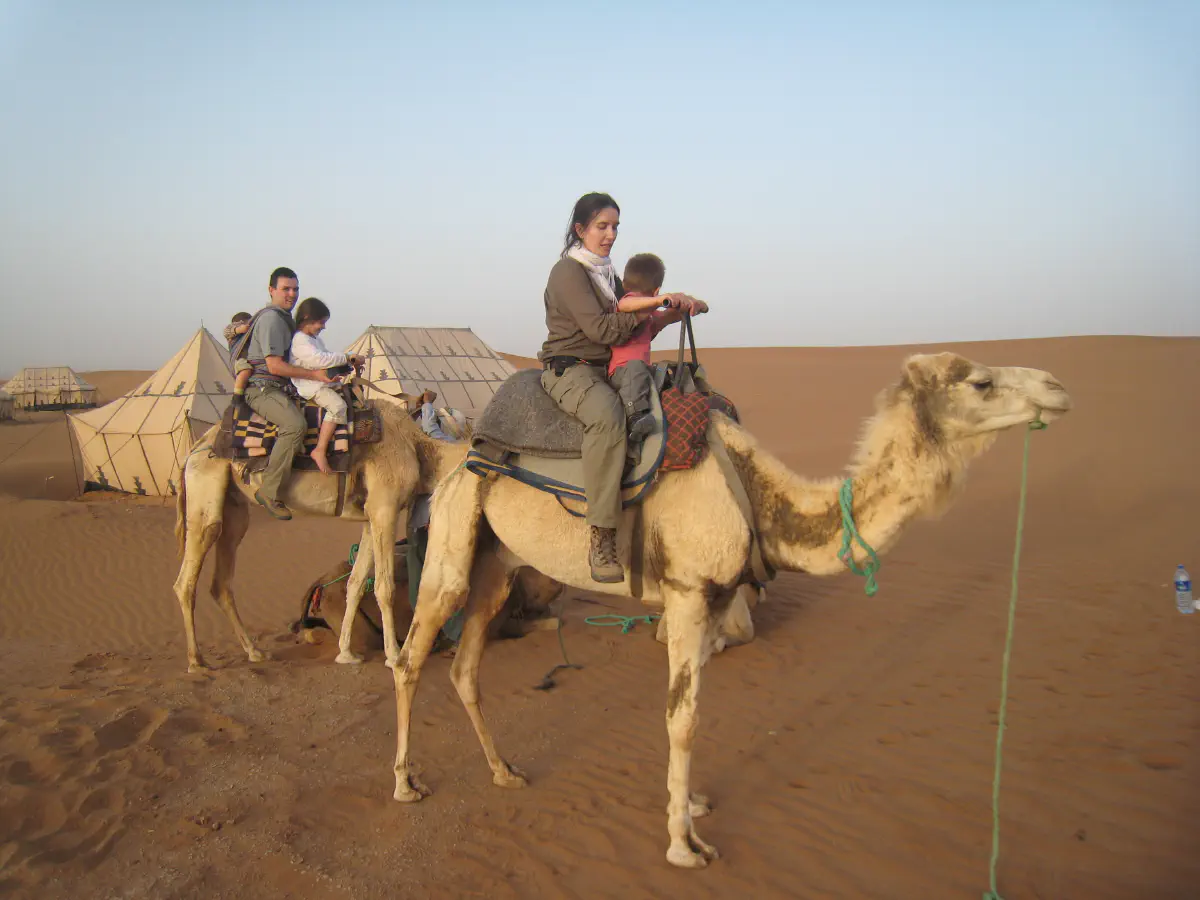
x=626 y=622
x=993 y=894
x=370 y=579
x=335 y=581
x=548 y=681
x=850 y=533
x=561 y=643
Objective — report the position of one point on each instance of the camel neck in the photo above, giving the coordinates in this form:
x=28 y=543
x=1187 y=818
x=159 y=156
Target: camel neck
x=894 y=476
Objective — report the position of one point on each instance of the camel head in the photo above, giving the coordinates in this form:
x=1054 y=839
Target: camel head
x=911 y=460
x=955 y=399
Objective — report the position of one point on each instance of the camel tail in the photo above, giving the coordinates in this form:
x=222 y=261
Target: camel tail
x=181 y=515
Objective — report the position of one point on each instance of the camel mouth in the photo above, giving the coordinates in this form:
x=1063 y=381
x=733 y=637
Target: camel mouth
x=1051 y=412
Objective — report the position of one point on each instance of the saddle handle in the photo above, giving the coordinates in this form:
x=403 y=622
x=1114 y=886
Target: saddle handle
x=685 y=334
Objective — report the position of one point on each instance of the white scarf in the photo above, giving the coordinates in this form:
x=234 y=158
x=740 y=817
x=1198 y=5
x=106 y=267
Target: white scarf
x=600 y=270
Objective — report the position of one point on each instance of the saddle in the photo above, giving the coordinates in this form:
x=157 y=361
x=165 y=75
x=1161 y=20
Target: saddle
x=522 y=433
x=247 y=437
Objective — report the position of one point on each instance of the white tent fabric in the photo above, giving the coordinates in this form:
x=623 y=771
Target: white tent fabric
x=138 y=443
x=463 y=370
x=49 y=387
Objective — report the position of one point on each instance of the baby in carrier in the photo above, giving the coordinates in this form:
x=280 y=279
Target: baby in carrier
x=238 y=326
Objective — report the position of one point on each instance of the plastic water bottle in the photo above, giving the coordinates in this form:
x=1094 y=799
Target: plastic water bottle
x=1183 y=591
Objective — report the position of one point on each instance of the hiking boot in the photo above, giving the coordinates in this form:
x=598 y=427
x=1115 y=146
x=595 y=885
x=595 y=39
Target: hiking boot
x=274 y=507
x=641 y=427
x=606 y=566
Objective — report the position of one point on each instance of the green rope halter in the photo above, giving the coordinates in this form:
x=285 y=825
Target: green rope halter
x=850 y=534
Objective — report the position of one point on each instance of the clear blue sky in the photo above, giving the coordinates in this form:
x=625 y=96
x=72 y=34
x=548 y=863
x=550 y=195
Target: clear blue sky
x=850 y=173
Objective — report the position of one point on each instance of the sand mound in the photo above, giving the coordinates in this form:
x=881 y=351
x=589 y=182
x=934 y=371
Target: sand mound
x=848 y=749
x=522 y=362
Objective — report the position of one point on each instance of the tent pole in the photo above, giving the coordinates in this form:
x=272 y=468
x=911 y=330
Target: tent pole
x=74 y=464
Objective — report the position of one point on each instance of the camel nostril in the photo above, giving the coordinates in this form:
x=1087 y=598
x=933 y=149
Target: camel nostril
x=1051 y=383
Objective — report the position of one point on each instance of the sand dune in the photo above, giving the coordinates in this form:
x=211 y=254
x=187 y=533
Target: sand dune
x=848 y=749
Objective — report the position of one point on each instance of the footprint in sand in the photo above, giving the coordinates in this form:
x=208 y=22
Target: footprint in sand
x=134 y=726
x=27 y=772
x=67 y=740
x=64 y=799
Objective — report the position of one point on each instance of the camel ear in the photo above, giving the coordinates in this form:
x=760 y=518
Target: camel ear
x=928 y=370
x=920 y=371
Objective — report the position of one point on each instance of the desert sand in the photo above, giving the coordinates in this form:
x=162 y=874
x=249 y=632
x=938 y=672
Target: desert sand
x=848 y=750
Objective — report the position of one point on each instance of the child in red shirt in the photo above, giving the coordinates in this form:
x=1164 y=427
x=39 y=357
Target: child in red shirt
x=629 y=367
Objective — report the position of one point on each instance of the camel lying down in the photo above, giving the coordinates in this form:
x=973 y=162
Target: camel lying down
x=323 y=606
x=911 y=461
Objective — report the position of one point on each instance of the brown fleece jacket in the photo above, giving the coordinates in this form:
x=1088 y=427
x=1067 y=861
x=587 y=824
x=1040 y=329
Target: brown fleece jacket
x=578 y=321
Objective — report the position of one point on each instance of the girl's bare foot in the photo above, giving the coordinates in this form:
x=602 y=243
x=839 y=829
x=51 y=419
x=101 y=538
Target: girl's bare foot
x=318 y=456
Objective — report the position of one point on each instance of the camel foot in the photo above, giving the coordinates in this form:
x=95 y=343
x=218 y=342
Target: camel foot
x=510 y=778
x=695 y=855
x=255 y=655
x=199 y=667
x=698 y=806
x=348 y=658
x=410 y=790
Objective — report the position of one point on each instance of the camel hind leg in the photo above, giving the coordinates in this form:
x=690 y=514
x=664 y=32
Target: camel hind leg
x=445 y=580
x=236 y=522
x=490 y=584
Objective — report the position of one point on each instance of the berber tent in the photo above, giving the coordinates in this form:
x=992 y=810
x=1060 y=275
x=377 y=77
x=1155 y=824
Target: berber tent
x=139 y=442
x=50 y=387
x=463 y=370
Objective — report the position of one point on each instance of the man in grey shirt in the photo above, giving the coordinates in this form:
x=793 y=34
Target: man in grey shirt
x=268 y=352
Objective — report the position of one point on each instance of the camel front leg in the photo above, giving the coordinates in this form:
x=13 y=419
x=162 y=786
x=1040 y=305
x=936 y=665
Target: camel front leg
x=236 y=522
x=445 y=580
x=687 y=630
x=355 y=587
x=491 y=581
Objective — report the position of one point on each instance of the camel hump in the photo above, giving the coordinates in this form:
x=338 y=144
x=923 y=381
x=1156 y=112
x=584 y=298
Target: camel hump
x=523 y=418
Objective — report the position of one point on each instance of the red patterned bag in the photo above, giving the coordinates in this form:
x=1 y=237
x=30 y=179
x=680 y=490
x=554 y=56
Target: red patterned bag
x=686 y=401
x=685 y=417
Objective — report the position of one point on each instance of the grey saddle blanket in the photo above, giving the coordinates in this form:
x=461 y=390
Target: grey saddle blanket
x=523 y=418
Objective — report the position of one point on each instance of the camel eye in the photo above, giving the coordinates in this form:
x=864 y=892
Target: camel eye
x=981 y=385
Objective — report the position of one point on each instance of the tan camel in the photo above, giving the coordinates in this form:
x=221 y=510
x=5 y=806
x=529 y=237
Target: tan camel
x=214 y=508
x=911 y=461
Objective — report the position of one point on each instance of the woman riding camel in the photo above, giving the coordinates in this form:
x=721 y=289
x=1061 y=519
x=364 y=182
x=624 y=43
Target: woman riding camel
x=583 y=323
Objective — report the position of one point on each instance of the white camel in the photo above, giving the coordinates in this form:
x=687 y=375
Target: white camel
x=911 y=461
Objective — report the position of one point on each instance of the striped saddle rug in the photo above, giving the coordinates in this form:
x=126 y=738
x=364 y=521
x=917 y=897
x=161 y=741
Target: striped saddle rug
x=245 y=435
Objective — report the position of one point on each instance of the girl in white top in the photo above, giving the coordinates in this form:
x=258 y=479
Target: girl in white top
x=310 y=352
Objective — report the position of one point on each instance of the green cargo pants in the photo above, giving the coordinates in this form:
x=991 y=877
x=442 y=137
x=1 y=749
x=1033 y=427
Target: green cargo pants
x=584 y=393
x=281 y=411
